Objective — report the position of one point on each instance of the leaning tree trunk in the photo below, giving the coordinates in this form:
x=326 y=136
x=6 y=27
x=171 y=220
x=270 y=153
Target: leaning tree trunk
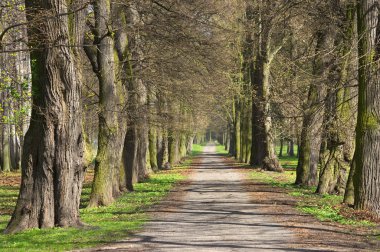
x=52 y=170
x=367 y=165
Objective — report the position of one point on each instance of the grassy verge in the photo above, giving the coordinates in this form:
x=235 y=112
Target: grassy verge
x=220 y=149
x=323 y=207
x=106 y=224
x=197 y=149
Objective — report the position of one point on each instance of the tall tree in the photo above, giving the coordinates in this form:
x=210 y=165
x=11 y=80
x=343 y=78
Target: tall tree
x=262 y=150
x=337 y=137
x=314 y=108
x=108 y=158
x=366 y=158
x=136 y=139
x=52 y=171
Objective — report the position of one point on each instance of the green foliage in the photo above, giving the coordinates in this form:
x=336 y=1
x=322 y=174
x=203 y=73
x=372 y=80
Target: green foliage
x=106 y=224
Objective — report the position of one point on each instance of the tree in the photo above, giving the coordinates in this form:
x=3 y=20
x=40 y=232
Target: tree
x=366 y=158
x=52 y=171
x=307 y=168
x=107 y=161
x=337 y=137
x=267 y=44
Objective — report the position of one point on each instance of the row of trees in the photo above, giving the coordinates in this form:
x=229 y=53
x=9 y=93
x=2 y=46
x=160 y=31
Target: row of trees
x=123 y=86
x=310 y=74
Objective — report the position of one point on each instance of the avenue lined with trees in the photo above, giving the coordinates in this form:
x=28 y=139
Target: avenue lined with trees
x=124 y=88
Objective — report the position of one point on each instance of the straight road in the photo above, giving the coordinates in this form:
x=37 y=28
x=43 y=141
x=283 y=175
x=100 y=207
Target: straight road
x=215 y=213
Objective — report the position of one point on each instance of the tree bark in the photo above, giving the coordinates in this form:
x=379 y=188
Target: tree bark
x=52 y=170
x=307 y=168
x=6 y=130
x=263 y=153
x=136 y=139
x=336 y=154
x=108 y=158
x=367 y=165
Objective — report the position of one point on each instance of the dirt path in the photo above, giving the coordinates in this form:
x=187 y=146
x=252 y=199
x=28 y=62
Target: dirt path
x=215 y=214
x=220 y=210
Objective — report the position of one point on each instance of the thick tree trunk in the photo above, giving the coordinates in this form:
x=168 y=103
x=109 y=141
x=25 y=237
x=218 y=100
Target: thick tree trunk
x=307 y=168
x=336 y=153
x=108 y=158
x=52 y=170
x=136 y=139
x=173 y=146
x=263 y=152
x=367 y=165
x=182 y=145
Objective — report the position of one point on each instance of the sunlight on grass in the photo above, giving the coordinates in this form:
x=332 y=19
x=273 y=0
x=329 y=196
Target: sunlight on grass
x=220 y=149
x=323 y=207
x=106 y=224
x=197 y=149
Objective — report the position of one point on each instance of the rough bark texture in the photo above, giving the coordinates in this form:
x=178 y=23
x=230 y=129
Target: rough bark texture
x=262 y=150
x=108 y=158
x=52 y=170
x=136 y=139
x=337 y=141
x=153 y=148
x=367 y=163
x=173 y=146
x=309 y=148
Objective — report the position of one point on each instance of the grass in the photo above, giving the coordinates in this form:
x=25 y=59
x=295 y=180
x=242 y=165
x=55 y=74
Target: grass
x=323 y=207
x=197 y=149
x=106 y=224
x=220 y=149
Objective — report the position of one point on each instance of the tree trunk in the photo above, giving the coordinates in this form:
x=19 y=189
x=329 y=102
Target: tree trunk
x=173 y=147
x=336 y=154
x=367 y=166
x=281 y=147
x=291 y=148
x=309 y=148
x=263 y=153
x=182 y=145
x=153 y=148
x=6 y=150
x=107 y=161
x=237 y=129
x=52 y=170
x=136 y=139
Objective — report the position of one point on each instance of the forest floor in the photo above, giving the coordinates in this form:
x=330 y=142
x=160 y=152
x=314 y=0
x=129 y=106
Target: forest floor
x=224 y=208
